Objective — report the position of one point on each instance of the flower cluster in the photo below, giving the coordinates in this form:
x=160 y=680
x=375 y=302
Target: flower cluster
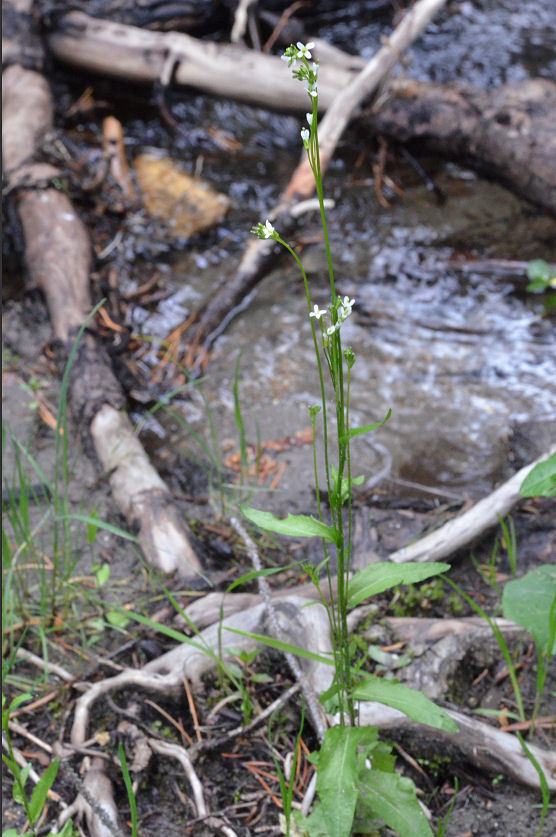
x=265 y=230
x=342 y=310
x=305 y=71
x=296 y=52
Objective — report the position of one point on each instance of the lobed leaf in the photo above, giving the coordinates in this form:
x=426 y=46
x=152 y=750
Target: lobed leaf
x=393 y=798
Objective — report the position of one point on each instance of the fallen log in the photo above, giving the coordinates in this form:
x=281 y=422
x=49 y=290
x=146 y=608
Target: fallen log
x=139 y=55
x=57 y=252
x=506 y=134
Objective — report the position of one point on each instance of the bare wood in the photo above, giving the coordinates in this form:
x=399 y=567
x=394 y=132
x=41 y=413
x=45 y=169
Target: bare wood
x=303 y=625
x=281 y=624
x=27 y=113
x=439 y=647
x=484 y=745
x=142 y=495
x=58 y=259
x=143 y=55
x=463 y=529
x=57 y=251
x=95 y=800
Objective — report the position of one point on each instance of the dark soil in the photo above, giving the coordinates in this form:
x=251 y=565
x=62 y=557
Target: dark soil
x=238 y=776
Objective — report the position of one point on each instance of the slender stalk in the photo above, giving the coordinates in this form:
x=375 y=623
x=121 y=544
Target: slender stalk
x=330 y=321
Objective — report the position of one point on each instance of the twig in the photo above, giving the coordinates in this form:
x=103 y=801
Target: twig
x=23 y=654
x=36 y=704
x=176 y=751
x=241 y=730
x=192 y=708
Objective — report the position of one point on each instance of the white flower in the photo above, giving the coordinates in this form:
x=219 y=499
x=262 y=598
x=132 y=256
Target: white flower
x=312 y=89
x=344 y=308
x=331 y=329
x=315 y=69
x=304 y=51
x=317 y=312
x=305 y=137
x=309 y=118
x=267 y=229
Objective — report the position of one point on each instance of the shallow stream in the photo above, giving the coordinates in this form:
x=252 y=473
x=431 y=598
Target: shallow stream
x=466 y=360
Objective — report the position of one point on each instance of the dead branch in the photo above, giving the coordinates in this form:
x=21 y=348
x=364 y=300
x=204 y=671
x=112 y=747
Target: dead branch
x=164 y=674
x=277 y=630
x=175 y=751
x=438 y=647
x=141 y=494
x=95 y=800
x=463 y=529
x=58 y=259
x=494 y=749
x=141 y=55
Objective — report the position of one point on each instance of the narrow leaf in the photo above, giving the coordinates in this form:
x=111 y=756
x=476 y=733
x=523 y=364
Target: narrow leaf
x=101 y=524
x=376 y=578
x=286 y=647
x=260 y=574
x=40 y=791
x=297 y=525
x=412 y=703
x=358 y=431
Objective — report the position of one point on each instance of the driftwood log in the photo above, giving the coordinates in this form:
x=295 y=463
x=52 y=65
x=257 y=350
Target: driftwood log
x=57 y=251
x=140 y=55
x=491 y=748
